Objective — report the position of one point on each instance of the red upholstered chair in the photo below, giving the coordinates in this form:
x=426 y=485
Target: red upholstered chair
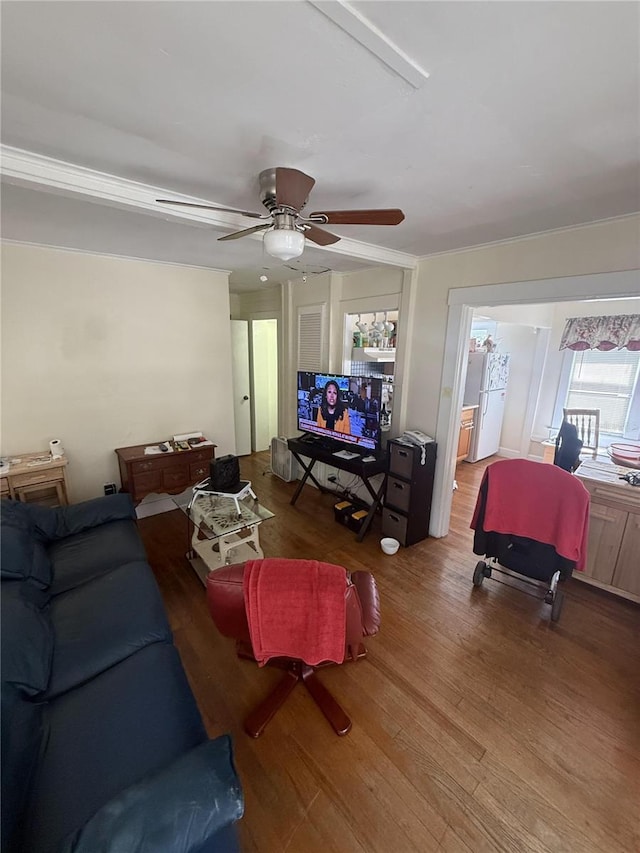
x=227 y=607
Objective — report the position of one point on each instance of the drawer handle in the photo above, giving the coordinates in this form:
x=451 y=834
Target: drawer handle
x=199 y=472
x=403 y=453
x=394 y=517
x=601 y=516
x=398 y=486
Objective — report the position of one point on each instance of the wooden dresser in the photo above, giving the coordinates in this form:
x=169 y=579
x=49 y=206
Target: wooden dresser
x=39 y=475
x=162 y=473
x=613 y=561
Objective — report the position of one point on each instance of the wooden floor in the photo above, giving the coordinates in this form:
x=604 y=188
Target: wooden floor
x=478 y=725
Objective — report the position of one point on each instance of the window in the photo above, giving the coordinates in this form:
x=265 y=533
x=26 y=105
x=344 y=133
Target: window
x=607 y=381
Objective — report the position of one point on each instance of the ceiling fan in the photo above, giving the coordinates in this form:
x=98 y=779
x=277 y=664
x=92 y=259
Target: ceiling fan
x=284 y=192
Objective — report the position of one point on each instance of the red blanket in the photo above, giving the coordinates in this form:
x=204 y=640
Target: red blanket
x=296 y=608
x=539 y=501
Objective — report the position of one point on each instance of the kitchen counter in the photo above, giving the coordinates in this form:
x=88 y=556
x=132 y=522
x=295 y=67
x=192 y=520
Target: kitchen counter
x=614 y=529
x=467 y=423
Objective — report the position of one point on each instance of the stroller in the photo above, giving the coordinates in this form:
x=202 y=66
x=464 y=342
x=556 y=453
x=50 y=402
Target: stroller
x=531 y=518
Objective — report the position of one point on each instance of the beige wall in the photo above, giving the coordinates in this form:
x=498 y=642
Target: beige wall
x=603 y=247
x=105 y=352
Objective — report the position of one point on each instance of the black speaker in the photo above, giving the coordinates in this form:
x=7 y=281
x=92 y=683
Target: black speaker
x=224 y=474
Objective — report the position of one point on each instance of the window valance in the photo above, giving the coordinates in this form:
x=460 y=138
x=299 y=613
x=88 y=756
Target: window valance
x=602 y=333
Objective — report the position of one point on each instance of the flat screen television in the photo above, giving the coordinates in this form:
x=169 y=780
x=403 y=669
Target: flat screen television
x=341 y=408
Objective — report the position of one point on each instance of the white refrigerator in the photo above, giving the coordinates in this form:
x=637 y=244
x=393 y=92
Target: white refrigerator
x=487 y=377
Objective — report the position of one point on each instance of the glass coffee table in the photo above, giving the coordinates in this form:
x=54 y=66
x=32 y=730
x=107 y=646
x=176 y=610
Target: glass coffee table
x=222 y=530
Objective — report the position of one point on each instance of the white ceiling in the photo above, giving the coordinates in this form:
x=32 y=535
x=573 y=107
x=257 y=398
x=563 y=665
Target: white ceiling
x=529 y=121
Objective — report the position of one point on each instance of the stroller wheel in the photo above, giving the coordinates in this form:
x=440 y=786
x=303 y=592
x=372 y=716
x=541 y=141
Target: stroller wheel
x=556 y=607
x=479 y=573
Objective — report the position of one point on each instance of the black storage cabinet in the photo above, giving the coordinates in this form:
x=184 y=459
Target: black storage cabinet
x=407 y=503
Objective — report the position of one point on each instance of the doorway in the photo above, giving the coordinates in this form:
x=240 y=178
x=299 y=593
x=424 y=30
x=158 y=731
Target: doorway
x=255 y=383
x=462 y=301
x=264 y=382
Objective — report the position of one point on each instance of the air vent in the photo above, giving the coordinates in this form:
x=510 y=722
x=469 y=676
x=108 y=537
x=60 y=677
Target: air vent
x=283 y=463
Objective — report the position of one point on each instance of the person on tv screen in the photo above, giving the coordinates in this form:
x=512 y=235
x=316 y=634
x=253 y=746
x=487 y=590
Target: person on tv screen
x=332 y=413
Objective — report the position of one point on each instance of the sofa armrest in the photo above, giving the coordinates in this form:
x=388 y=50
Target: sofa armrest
x=175 y=809
x=57 y=523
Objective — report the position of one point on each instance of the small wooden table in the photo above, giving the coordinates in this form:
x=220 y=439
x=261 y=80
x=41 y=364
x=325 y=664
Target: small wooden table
x=36 y=473
x=169 y=473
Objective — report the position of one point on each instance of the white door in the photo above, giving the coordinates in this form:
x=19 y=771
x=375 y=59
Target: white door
x=264 y=381
x=241 y=385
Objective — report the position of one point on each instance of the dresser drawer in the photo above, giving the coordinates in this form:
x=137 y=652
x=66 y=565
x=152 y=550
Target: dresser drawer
x=175 y=478
x=143 y=484
x=201 y=455
x=142 y=467
x=49 y=475
x=199 y=470
x=401 y=460
x=398 y=493
x=395 y=525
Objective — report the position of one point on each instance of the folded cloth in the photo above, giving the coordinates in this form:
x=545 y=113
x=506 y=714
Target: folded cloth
x=536 y=500
x=296 y=609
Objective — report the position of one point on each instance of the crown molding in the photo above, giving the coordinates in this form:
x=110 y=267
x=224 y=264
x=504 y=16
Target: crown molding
x=49 y=247
x=35 y=171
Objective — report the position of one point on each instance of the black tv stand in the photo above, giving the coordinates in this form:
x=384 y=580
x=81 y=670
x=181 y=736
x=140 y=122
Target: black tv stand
x=323 y=442
x=314 y=451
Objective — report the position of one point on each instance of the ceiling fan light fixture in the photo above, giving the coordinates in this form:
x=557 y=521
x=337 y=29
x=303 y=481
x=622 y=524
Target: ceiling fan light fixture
x=284 y=244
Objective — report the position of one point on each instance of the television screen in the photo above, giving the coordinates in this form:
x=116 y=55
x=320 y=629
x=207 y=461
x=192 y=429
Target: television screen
x=345 y=408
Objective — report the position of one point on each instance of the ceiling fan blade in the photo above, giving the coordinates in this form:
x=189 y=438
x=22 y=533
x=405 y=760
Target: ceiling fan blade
x=237 y=234
x=292 y=187
x=386 y=216
x=320 y=236
x=213 y=207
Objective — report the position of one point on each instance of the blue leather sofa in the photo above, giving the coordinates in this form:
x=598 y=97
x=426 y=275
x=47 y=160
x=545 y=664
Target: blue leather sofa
x=103 y=747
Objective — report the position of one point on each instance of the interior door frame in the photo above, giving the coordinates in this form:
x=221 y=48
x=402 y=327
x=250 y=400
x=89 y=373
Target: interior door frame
x=462 y=301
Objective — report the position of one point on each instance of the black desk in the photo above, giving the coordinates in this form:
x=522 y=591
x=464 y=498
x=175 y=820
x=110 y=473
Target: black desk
x=312 y=450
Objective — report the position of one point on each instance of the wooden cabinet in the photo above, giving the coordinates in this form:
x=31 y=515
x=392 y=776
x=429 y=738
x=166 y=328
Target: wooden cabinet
x=627 y=571
x=169 y=473
x=467 y=423
x=614 y=530
x=40 y=476
x=407 y=502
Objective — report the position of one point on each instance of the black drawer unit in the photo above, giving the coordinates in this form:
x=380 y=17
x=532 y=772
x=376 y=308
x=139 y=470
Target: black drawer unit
x=407 y=501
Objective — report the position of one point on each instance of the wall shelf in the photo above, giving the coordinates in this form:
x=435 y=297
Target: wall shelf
x=373 y=354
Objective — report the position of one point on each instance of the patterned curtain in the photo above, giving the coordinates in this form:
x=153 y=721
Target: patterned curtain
x=603 y=333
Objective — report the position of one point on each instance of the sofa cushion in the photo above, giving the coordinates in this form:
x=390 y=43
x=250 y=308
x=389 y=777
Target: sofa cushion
x=80 y=558
x=14 y=514
x=26 y=637
x=100 y=623
x=21 y=555
x=180 y=808
x=16 y=551
x=107 y=735
x=53 y=523
x=21 y=722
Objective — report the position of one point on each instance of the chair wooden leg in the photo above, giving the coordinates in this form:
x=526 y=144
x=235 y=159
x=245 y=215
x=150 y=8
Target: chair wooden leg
x=340 y=723
x=257 y=720
x=296 y=671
